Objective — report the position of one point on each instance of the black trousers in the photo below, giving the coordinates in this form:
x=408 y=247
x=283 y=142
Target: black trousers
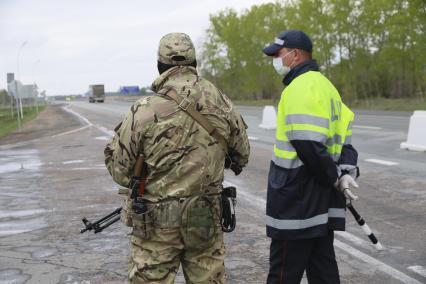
x=289 y=259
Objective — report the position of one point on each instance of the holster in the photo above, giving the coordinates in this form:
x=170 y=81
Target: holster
x=229 y=199
x=143 y=222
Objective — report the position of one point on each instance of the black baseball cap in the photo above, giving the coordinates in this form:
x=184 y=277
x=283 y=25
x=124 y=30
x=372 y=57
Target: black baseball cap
x=289 y=39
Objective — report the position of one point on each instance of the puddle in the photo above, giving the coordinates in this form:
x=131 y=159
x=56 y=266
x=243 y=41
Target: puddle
x=11 y=194
x=20 y=213
x=73 y=162
x=87 y=168
x=21 y=226
x=15 y=276
x=38 y=251
x=15 y=160
x=33 y=164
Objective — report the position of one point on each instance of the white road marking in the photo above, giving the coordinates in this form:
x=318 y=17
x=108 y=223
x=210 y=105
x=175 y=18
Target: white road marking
x=404 y=278
x=88 y=168
x=418 y=269
x=73 y=162
x=354 y=239
x=108 y=132
x=104 y=138
x=386 y=116
x=260 y=203
x=78 y=115
x=382 y=162
x=367 y=127
x=72 y=131
x=253 y=138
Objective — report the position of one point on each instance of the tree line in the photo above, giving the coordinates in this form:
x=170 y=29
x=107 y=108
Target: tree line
x=367 y=48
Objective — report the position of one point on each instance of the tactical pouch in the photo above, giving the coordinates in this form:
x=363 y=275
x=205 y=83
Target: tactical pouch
x=167 y=214
x=229 y=195
x=126 y=212
x=143 y=223
x=201 y=218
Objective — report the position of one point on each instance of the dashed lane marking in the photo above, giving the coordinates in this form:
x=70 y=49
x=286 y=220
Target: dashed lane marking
x=404 y=278
x=382 y=162
x=418 y=269
x=367 y=127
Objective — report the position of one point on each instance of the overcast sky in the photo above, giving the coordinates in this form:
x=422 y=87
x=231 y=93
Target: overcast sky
x=72 y=44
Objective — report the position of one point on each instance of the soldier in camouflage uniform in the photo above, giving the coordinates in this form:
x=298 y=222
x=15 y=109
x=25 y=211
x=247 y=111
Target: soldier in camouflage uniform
x=185 y=170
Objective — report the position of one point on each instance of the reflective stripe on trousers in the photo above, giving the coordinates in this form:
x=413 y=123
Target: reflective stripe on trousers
x=305 y=223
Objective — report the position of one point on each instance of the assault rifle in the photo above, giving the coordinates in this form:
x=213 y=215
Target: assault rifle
x=137 y=187
x=102 y=223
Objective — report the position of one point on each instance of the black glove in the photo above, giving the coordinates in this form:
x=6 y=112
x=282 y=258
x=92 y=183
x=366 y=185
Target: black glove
x=230 y=164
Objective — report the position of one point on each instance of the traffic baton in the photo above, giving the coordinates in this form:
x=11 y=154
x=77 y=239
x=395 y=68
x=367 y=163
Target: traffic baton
x=363 y=224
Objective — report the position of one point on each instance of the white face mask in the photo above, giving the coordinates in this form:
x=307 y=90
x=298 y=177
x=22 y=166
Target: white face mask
x=279 y=66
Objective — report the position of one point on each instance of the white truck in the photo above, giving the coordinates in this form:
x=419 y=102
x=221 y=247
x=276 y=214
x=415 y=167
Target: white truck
x=96 y=93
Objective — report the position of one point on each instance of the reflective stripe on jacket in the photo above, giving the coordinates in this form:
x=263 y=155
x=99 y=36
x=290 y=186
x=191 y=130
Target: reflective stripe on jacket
x=298 y=204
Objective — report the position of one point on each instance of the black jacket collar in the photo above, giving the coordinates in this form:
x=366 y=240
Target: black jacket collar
x=310 y=65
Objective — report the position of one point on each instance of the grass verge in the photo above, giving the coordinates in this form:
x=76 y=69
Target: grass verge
x=254 y=102
x=9 y=124
x=408 y=104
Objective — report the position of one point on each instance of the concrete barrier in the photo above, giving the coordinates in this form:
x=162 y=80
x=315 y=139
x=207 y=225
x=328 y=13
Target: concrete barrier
x=269 y=118
x=416 y=140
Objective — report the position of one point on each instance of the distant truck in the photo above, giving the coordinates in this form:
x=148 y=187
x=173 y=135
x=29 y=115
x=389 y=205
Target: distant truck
x=96 y=93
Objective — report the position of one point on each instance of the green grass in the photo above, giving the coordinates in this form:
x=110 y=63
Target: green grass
x=408 y=104
x=262 y=102
x=9 y=124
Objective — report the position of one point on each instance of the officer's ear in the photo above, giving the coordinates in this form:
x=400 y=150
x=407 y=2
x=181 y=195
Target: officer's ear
x=298 y=55
x=304 y=55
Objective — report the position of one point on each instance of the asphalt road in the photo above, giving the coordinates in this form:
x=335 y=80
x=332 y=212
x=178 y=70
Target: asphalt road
x=392 y=200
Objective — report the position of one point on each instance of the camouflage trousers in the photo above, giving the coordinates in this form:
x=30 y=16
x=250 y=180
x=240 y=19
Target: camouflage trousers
x=183 y=232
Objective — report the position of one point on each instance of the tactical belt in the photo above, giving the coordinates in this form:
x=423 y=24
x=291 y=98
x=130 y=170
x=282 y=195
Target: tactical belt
x=187 y=106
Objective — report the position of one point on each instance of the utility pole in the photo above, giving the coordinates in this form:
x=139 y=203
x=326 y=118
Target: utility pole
x=17 y=75
x=36 y=93
x=17 y=105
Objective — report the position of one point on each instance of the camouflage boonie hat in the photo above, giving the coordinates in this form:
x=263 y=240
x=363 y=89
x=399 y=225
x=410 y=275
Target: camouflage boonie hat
x=176 y=49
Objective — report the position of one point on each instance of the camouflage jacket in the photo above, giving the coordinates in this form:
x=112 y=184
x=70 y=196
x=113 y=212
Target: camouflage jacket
x=182 y=158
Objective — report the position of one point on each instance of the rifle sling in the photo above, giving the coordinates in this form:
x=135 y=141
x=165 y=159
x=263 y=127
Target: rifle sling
x=187 y=106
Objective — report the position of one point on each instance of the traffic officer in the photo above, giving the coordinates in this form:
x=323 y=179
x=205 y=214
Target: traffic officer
x=184 y=168
x=312 y=158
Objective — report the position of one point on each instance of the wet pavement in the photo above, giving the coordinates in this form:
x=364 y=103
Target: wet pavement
x=50 y=181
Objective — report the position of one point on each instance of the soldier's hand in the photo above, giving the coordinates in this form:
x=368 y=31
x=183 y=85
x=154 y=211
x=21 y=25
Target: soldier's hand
x=228 y=162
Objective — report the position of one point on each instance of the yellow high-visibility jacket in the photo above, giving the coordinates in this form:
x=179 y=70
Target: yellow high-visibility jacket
x=312 y=140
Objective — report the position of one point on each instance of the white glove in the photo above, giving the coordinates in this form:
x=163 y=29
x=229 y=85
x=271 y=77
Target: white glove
x=344 y=185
